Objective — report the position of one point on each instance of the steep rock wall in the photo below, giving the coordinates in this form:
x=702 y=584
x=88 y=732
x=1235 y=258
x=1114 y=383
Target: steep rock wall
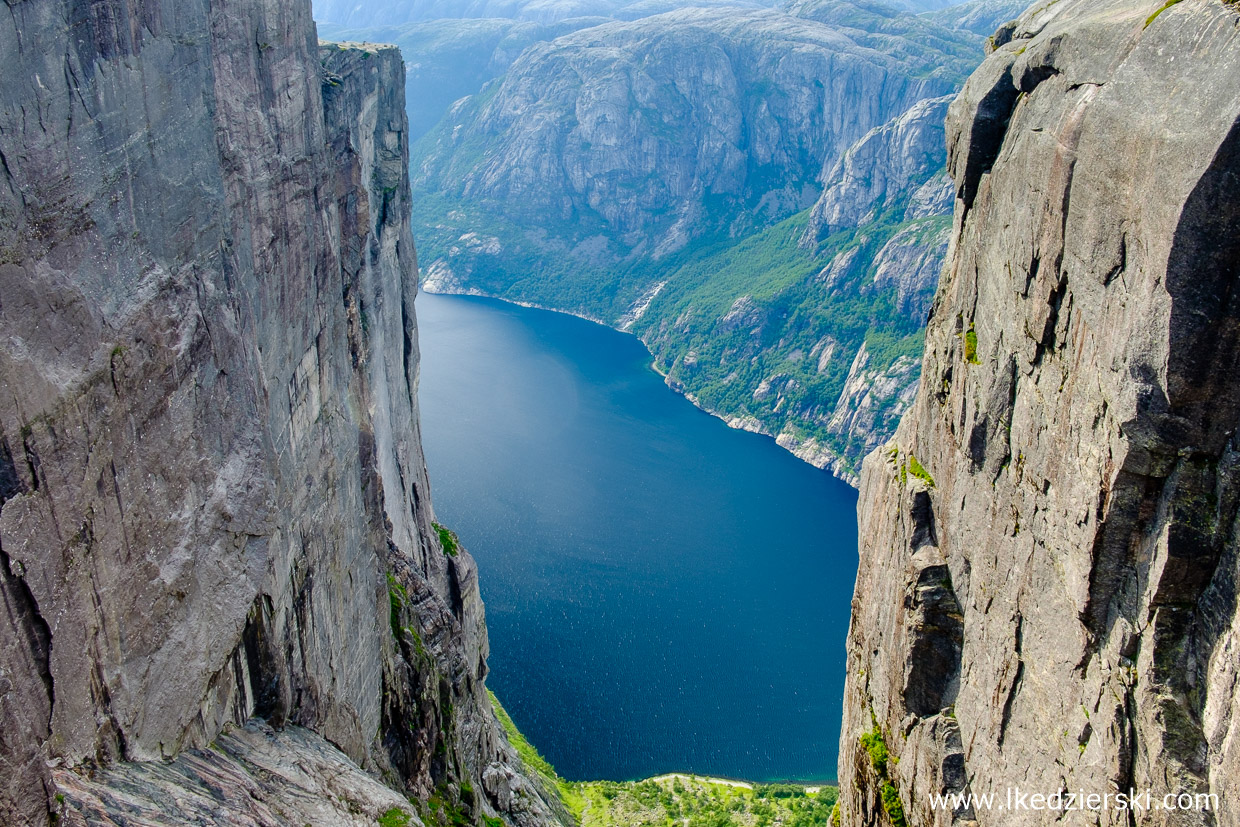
x=213 y=501
x=1048 y=574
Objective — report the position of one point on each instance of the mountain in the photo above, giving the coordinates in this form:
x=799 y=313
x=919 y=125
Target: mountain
x=982 y=17
x=633 y=139
x=1047 y=591
x=225 y=598
x=659 y=175
x=447 y=60
x=373 y=13
x=821 y=352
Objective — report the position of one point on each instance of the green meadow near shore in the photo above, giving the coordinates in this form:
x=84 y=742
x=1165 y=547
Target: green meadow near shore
x=678 y=799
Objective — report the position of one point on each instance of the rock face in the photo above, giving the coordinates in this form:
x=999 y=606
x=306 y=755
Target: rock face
x=641 y=137
x=980 y=16
x=905 y=155
x=1048 y=578
x=213 y=502
x=871 y=250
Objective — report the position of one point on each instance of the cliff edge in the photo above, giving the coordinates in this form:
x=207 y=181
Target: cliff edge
x=1047 y=595
x=224 y=600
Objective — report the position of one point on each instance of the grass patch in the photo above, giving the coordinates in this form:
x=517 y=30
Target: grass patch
x=892 y=805
x=674 y=801
x=395 y=817
x=534 y=762
x=448 y=540
x=1161 y=9
x=970 y=346
x=693 y=801
x=398 y=597
x=876 y=745
x=919 y=471
x=530 y=756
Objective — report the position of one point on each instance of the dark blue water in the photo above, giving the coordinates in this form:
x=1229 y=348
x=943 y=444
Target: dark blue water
x=663 y=593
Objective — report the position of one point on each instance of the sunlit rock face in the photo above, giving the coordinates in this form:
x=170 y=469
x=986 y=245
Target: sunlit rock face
x=213 y=501
x=1047 y=587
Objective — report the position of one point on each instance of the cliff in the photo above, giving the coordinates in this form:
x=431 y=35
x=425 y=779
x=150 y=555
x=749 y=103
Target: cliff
x=1048 y=584
x=629 y=141
x=827 y=362
x=224 y=599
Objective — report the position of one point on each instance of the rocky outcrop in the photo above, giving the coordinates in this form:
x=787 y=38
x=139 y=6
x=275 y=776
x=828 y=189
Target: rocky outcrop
x=1048 y=577
x=213 y=502
x=903 y=156
x=871 y=250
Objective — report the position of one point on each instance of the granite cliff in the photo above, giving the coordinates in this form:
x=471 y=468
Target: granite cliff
x=224 y=598
x=1047 y=594
x=631 y=140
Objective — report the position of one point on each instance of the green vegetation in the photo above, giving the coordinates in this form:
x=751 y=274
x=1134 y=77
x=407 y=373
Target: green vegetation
x=677 y=801
x=394 y=817
x=970 y=346
x=448 y=540
x=876 y=745
x=444 y=812
x=530 y=756
x=535 y=763
x=1161 y=9
x=918 y=470
x=892 y=805
x=398 y=598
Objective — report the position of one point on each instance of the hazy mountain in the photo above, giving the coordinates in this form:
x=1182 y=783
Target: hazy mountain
x=634 y=139
x=980 y=16
x=371 y=13
x=446 y=60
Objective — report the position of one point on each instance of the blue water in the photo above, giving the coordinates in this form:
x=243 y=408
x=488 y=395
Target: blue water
x=663 y=592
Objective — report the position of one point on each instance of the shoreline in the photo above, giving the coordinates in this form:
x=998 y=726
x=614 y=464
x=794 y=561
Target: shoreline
x=801 y=450
x=810 y=788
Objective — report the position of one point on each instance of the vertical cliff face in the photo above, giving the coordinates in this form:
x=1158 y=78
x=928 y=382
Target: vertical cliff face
x=1048 y=574
x=213 y=501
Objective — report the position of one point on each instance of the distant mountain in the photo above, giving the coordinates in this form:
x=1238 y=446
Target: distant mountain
x=695 y=177
x=632 y=140
x=811 y=331
x=980 y=16
x=372 y=13
x=446 y=60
